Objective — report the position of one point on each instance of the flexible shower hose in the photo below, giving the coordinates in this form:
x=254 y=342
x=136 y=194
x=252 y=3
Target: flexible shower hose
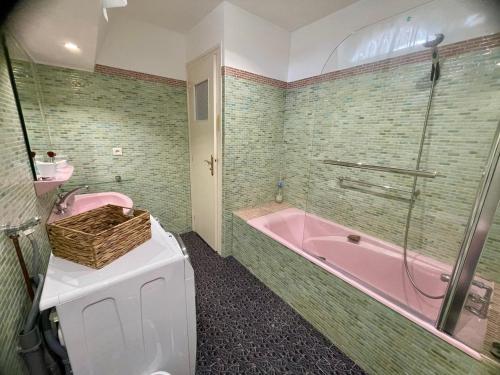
x=414 y=189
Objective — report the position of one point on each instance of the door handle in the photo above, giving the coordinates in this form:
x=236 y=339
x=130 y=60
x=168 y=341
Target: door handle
x=211 y=164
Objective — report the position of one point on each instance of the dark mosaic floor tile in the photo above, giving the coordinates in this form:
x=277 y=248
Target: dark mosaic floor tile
x=244 y=328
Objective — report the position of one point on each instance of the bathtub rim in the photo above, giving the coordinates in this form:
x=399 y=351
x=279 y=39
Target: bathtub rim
x=379 y=298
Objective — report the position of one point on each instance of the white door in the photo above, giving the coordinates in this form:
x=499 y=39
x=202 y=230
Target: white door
x=202 y=100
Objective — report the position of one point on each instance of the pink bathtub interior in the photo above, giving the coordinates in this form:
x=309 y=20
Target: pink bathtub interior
x=373 y=266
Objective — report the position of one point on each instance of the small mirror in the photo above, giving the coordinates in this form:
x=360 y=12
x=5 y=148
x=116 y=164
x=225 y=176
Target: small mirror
x=105 y=122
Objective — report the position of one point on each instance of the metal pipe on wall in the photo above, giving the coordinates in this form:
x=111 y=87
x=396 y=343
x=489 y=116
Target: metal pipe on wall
x=22 y=263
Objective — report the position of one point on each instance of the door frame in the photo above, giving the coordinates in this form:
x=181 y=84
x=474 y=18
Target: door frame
x=217 y=93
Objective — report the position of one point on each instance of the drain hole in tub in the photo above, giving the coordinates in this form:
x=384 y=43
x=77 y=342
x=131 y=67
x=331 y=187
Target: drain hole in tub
x=354 y=238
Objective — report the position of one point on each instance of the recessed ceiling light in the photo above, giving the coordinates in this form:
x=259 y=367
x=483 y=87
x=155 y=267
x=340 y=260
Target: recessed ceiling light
x=71 y=47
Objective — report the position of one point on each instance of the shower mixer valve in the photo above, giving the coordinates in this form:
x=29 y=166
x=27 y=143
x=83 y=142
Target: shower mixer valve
x=476 y=304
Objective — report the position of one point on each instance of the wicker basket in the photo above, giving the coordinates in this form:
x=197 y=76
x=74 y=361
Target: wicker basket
x=97 y=237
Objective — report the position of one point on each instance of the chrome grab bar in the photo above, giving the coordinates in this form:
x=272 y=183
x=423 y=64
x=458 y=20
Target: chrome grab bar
x=408 y=172
x=390 y=189
x=370 y=184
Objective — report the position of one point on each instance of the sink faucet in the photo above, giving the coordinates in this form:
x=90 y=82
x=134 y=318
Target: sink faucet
x=63 y=199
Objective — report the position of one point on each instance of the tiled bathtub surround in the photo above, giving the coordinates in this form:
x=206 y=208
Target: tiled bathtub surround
x=236 y=337
x=377 y=118
x=372 y=113
x=380 y=340
x=253 y=144
x=17 y=203
x=375 y=115
x=90 y=113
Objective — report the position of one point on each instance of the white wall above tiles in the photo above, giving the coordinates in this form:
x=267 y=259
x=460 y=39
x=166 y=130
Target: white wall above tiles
x=254 y=44
x=458 y=19
x=248 y=42
x=207 y=34
x=143 y=47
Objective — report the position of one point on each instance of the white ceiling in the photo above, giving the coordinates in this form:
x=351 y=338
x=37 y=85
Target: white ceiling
x=44 y=26
x=292 y=14
x=182 y=15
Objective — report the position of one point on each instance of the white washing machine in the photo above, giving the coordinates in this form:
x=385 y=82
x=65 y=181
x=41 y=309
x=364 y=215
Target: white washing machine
x=134 y=316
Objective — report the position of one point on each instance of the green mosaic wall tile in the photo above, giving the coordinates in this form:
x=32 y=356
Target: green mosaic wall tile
x=380 y=340
x=374 y=117
x=269 y=131
x=253 y=116
x=18 y=203
x=90 y=113
x=377 y=118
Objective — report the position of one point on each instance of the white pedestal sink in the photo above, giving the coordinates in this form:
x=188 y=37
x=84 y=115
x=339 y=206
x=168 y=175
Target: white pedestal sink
x=85 y=202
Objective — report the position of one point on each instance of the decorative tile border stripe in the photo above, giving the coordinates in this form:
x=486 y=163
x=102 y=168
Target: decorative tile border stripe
x=124 y=73
x=238 y=73
x=470 y=45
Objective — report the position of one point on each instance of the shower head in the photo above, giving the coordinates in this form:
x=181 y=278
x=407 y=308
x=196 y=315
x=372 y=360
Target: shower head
x=438 y=38
x=433 y=43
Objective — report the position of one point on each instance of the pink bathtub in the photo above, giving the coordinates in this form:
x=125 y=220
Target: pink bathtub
x=373 y=266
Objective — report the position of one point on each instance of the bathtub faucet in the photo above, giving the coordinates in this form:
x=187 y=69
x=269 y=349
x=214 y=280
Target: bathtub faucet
x=476 y=303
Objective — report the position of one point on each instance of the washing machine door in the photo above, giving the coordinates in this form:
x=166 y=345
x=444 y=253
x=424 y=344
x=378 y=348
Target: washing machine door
x=138 y=326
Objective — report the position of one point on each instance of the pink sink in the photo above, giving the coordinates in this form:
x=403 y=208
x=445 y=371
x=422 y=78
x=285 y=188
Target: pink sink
x=85 y=202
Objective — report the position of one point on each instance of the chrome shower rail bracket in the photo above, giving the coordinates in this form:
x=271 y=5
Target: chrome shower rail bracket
x=14 y=230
